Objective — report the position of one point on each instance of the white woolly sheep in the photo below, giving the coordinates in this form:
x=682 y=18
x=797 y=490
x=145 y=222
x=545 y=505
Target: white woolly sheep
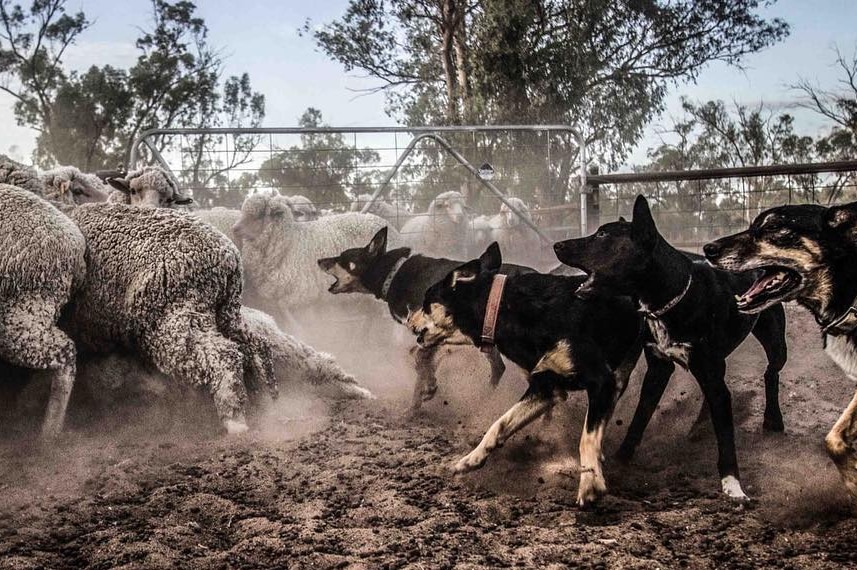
x=395 y=215
x=167 y=286
x=442 y=230
x=280 y=256
x=302 y=208
x=517 y=241
x=41 y=266
x=21 y=175
x=70 y=186
x=150 y=186
x=116 y=376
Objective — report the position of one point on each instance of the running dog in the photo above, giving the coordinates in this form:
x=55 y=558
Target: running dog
x=537 y=322
x=806 y=254
x=401 y=280
x=693 y=319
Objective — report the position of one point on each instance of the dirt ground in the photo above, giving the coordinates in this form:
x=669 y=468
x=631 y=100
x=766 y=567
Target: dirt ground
x=361 y=485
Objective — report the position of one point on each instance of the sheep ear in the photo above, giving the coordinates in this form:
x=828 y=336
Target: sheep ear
x=183 y=201
x=378 y=245
x=64 y=186
x=467 y=273
x=120 y=184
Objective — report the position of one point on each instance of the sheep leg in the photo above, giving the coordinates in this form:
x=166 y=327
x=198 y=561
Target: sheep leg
x=187 y=346
x=29 y=338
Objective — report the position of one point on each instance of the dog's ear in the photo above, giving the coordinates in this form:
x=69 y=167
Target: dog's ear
x=622 y=219
x=491 y=259
x=643 y=225
x=378 y=245
x=467 y=273
x=841 y=217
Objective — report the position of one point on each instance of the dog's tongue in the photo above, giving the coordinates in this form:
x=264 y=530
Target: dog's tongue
x=760 y=285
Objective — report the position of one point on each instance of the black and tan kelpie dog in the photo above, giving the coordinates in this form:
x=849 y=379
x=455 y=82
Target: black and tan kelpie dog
x=561 y=341
x=693 y=320
x=806 y=254
x=400 y=279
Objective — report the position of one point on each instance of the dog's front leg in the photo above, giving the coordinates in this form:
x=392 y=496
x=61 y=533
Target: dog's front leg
x=497 y=366
x=601 y=395
x=839 y=446
x=658 y=374
x=710 y=374
x=426 y=386
x=535 y=402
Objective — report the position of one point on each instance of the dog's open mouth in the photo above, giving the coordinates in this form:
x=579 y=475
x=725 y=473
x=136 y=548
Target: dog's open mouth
x=773 y=285
x=333 y=287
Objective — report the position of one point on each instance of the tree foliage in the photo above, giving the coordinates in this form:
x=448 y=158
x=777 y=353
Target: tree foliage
x=600 y=64
x=323 y=168
x=89 y=119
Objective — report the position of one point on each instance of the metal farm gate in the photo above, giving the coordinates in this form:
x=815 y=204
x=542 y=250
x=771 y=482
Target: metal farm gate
x=694 y=207
x=545 y=166
x=354 y=168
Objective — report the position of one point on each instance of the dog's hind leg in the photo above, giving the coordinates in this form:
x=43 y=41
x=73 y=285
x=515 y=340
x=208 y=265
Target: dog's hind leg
x=710 y=374
x=658 y=374
x=497 y=366
x=839 y=446
x=537 y=400
x=770 y=330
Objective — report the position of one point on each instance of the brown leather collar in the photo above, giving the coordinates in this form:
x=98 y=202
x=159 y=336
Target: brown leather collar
x=489 y=325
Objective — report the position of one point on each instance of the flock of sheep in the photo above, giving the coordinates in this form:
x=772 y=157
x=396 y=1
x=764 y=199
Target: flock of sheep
x=102 y=277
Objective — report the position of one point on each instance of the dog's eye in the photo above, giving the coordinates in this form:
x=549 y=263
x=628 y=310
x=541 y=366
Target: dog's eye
x=601 y=234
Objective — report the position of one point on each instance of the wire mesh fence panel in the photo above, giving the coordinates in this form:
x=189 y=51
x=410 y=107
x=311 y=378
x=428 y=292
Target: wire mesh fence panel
x=441 y=201
x=693 y=211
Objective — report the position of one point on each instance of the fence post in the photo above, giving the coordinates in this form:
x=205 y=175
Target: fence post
x=590 y=207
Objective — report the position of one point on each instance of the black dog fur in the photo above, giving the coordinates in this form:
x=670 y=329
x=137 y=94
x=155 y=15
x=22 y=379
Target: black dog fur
x=699 y=331
x=365 y=269
x=563 y=342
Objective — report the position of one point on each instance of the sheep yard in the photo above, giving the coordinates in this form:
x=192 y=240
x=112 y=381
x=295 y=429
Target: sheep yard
x=363 y=485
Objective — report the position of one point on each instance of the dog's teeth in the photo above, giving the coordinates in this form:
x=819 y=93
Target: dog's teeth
x=738 y=298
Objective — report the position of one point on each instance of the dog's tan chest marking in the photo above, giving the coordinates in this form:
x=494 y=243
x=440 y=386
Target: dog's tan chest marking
x=843 y=351
x=558 y=360
x=664 y=347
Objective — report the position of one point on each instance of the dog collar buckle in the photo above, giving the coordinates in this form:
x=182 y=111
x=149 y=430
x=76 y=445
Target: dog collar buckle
x=492 y=309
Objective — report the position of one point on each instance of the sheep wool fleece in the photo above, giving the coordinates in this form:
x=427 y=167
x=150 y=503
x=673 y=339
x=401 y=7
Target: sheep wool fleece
x=41 y=266
x=168 y=286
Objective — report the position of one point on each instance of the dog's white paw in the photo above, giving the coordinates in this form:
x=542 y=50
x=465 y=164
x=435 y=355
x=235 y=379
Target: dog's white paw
x=732 y=489
x=236 y=427
x=592 y=486
x=470 y=462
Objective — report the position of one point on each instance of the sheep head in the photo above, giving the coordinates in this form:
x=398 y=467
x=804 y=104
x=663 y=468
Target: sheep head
x=150 y=187
x=262 y=215
x=68 y=185
x=303 y=210
x=510 y=218
x=449 y=204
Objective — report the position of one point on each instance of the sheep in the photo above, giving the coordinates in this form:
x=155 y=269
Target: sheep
x=442 y=230
x=118 y=377
x=167 y=287
x=395 y=215
x=42 y=264
x=280 y=256
x=63 y=186
x=517 y=241
x=150 y=186
x=303 y=209
x=70 y=186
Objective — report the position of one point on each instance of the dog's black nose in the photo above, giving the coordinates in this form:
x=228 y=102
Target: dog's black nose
x=712 y=249
x=559 y=246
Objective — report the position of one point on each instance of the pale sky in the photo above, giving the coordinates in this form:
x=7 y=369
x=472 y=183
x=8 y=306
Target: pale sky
x=260 y=37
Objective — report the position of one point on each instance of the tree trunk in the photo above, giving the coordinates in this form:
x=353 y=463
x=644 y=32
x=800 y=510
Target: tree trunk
x=463 y=67
x=447 y=33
